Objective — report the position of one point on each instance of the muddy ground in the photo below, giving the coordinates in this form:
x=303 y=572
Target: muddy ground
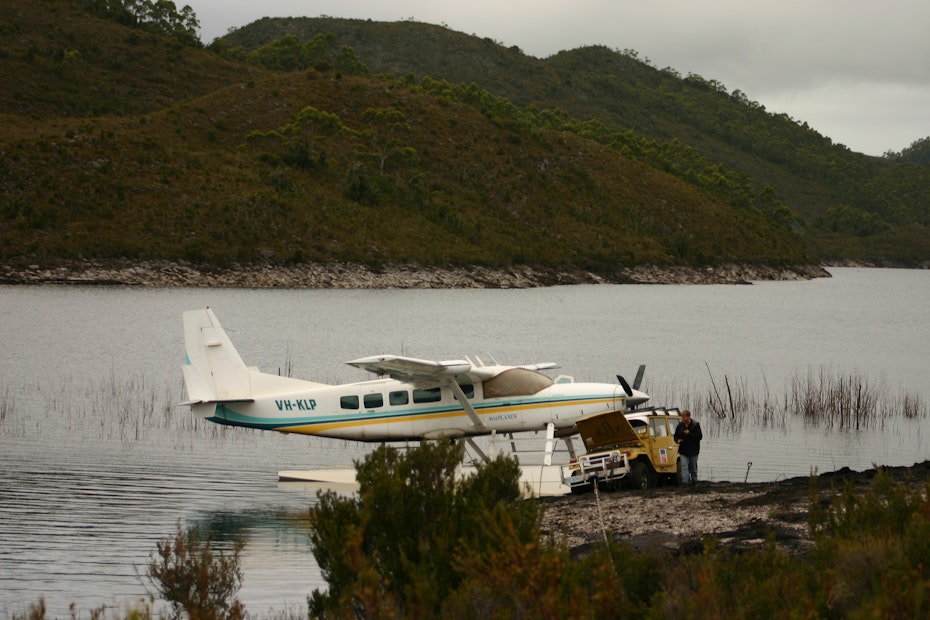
x=677 y=520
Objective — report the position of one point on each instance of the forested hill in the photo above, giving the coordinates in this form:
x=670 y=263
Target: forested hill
x=121 y=137
x=845 y=204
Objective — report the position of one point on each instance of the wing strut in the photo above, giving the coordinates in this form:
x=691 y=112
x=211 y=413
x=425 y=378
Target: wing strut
x=474 y=446
x=472 y=414
x=550 y=443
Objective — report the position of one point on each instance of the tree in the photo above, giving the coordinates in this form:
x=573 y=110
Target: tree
x=160 y=16
x=384 y=126
x=422 y=541
x=392 y=549
x=918 y=152
x=309 y=124
x=850 y=220
x=284 y=54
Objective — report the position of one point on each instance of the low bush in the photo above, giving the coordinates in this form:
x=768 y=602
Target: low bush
x=196 y=578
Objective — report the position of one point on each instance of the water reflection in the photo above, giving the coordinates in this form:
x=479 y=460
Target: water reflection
x=278 y=564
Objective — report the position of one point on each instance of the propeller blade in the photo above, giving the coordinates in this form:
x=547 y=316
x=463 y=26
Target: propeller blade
x=639 y=376
x=624 y=385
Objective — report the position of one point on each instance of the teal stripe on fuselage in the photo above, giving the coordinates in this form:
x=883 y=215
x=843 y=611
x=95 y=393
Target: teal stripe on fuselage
x=230 y=417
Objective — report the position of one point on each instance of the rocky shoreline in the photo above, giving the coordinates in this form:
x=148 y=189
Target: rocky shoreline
x=163 y=273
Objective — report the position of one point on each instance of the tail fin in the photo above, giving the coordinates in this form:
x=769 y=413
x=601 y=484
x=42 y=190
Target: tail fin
x=214 y=371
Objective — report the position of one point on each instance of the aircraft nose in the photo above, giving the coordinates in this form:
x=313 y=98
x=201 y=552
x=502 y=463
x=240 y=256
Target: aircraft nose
x=637 y=399
x=624 y=399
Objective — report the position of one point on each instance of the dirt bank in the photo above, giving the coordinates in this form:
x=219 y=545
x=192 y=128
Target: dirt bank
x=676 y=519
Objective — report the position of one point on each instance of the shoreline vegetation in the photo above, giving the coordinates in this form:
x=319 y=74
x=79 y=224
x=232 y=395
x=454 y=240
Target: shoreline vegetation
x=836 y=544
x=166 y=273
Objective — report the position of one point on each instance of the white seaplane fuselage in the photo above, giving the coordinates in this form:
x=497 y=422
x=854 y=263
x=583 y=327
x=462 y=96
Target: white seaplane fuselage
x=387 y=409
x=414 y=399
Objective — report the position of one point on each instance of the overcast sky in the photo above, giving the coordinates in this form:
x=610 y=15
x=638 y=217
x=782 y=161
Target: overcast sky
x=857 y=71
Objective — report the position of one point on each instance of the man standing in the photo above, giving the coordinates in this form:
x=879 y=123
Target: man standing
x=688 y=437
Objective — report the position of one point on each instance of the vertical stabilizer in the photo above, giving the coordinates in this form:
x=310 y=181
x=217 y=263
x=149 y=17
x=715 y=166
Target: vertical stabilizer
x=214 y=370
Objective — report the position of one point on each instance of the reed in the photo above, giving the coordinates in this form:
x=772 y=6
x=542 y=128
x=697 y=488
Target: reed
x=128 y=407
x=821 y=397
x=6 y=403
x=851 y=402
x=738 y=403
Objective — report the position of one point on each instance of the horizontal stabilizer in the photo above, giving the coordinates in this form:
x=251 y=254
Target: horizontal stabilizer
x=191 y=403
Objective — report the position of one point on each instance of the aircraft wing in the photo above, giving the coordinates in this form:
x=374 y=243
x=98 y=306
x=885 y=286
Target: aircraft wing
x=412 y=369
x=540 y=366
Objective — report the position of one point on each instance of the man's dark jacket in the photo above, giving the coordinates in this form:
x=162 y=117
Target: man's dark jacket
x=691 y=443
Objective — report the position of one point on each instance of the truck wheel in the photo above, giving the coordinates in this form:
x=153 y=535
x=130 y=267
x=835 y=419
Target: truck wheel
x=641 y=476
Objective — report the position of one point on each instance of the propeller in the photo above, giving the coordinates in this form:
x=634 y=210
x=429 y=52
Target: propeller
x=636 y=382
x=626 y=386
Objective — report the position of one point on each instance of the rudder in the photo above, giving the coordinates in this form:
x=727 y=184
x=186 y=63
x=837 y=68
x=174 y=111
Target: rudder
x=214 y=371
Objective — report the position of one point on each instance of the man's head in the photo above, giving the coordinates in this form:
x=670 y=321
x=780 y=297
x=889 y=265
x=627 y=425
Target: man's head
x=686 y=416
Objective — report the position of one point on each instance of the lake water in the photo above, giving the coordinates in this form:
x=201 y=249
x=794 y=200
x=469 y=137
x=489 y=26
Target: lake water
x=96 y=465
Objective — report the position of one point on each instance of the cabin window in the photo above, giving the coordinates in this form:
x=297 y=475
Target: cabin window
x=399 y=398
x=673 y=425
x=427 y=395
x=349 y=402
x=468 y=389
x=374 y=400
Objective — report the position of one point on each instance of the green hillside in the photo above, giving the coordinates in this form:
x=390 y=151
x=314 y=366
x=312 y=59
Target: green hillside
x=844 y=204
x=126 y=139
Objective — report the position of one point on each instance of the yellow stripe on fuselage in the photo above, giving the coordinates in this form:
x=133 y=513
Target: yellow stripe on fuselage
x=316 y=429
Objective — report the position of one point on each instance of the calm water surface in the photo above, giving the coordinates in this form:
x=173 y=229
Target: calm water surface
x=96 y=466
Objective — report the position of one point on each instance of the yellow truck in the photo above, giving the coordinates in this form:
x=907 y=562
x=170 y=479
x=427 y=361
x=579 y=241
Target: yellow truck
x=634 y=449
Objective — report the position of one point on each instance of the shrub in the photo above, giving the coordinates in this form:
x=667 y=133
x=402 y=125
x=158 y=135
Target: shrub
x=392 y=549
x=723 y=583
x=421 y=541
x=187 y=571
x=872 y=549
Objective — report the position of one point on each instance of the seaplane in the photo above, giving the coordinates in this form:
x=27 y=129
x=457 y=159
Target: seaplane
x=410 y=400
